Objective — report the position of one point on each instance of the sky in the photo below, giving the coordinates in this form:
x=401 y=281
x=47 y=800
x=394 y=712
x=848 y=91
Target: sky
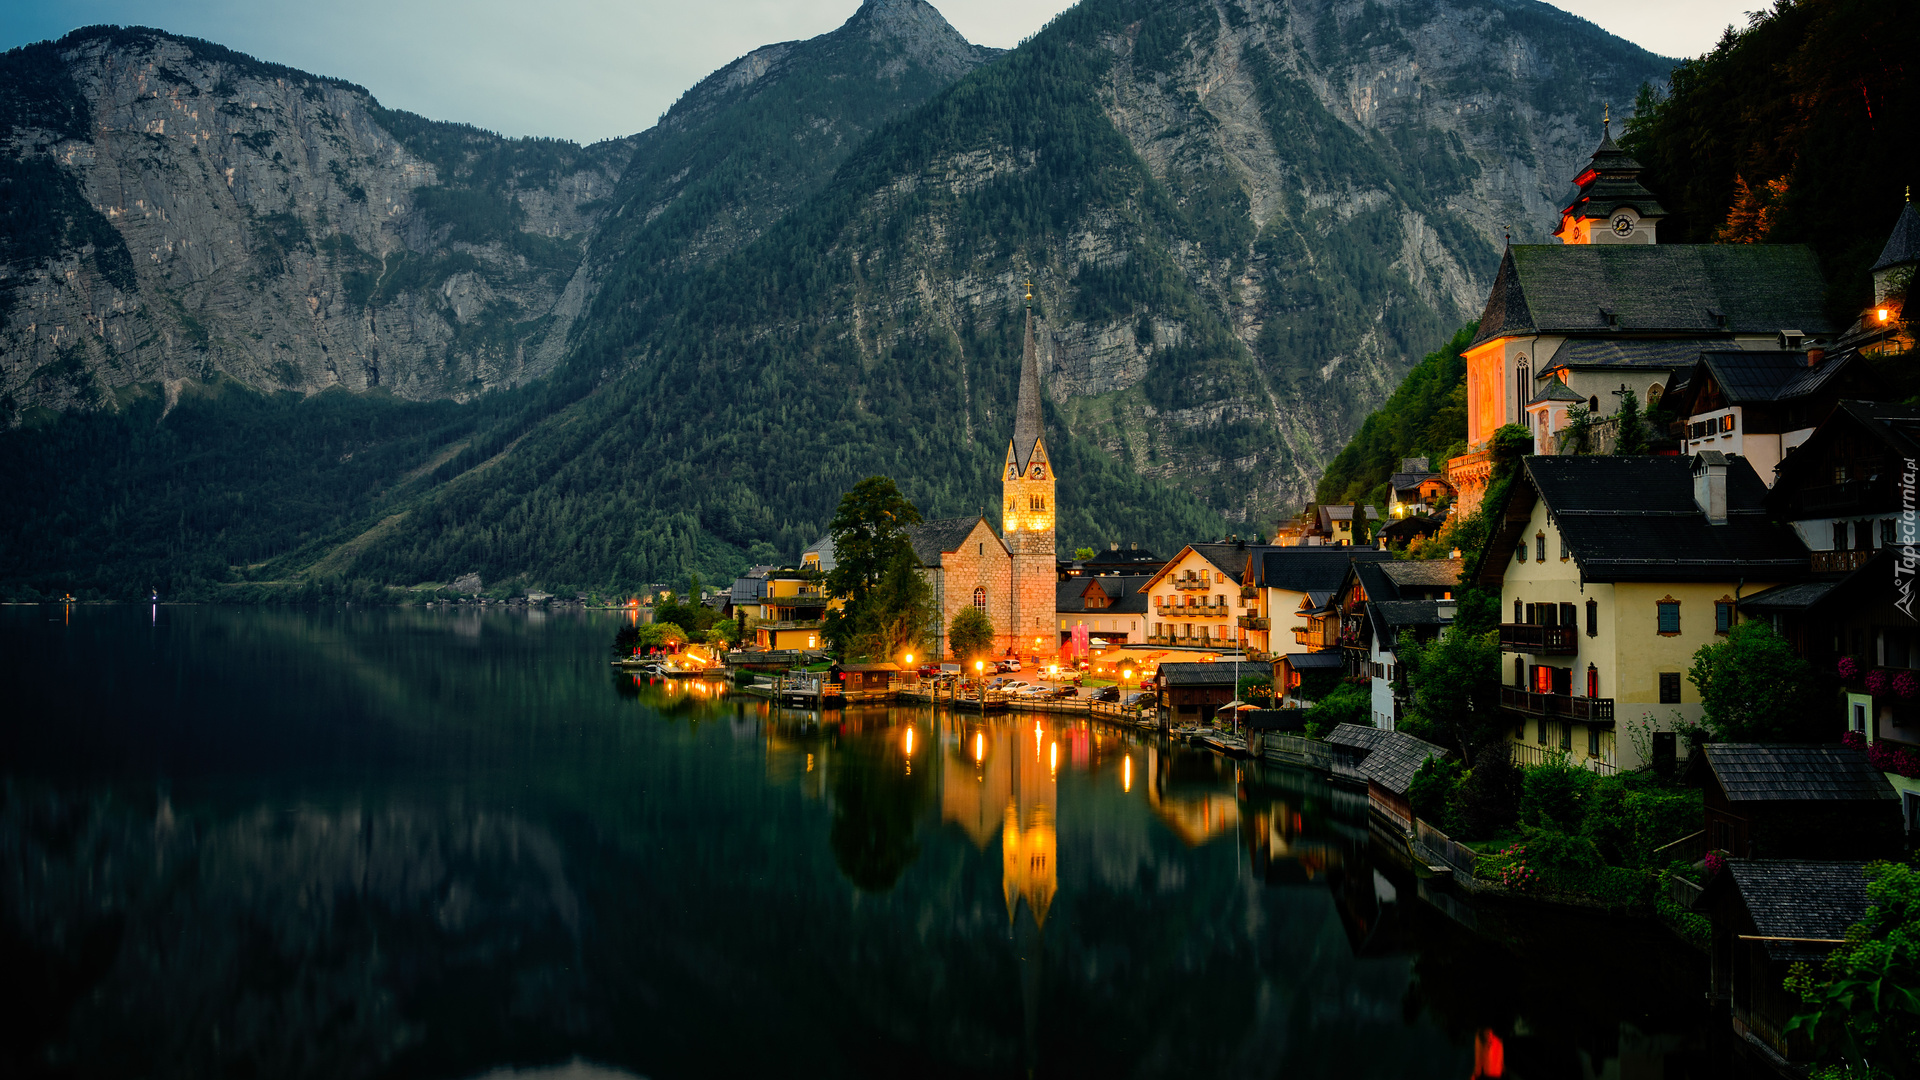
x=598 y=69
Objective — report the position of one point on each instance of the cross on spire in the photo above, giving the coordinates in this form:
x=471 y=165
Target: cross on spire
x=1029 y=293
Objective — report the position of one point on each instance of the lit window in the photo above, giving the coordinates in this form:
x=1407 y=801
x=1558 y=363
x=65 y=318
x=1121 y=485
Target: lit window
x=1593 y=681
x=1669 y=616
x=980 y=599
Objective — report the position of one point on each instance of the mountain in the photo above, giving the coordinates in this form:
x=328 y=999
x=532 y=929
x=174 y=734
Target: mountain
x=1245 y=220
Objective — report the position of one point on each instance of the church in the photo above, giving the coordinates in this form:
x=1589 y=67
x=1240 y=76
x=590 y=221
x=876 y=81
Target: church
x=1009 y=575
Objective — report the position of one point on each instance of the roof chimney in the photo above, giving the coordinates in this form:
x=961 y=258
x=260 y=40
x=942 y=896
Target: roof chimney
x=1710 y=485
x=1816 y=356
x=1113 y=545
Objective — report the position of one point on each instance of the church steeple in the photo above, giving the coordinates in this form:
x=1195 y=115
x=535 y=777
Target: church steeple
x=1026 y=412
x=1028 y=511
x=1612 y=206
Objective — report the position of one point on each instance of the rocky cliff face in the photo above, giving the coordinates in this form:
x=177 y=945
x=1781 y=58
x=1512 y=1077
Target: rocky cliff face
x=233 y=217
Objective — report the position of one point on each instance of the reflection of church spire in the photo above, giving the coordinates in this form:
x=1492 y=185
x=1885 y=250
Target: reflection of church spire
x=1029 y=843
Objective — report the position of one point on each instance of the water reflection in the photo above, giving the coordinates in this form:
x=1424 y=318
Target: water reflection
x=454 y=844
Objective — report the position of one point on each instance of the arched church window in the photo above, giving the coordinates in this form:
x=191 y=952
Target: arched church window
x=980 y=599
x=1593 y=405
x=1522 y=387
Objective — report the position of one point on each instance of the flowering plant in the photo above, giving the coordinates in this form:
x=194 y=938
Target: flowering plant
x=1906 y=684
x=1879 y=682
x=1848 y=668
x=1888 y=758
x=1513 y=872
x=1715 y=863
x=1854 y=740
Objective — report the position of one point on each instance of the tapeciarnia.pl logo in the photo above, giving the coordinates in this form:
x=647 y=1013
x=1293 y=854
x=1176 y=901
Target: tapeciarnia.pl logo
x=1904 y=566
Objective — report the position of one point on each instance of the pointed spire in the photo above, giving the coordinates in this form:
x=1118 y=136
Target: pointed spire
x=1026 y=413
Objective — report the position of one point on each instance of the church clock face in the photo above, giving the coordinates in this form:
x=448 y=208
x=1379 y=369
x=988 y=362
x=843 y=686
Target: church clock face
x=1013 y=472
x=1622 y=225
x=1039 y=471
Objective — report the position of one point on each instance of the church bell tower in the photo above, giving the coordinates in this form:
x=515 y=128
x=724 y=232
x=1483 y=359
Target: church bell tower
x=1027 y=515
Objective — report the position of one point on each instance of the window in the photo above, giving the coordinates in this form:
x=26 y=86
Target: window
x=1520 y=551
x=1593 y=405
x=1569 y=616
x=1669 y=688
x=1669 y=616
x=1887 y=536
x=1839 y=536
x=1516 y=612
x=1542 y=679
x=1565 y=552
x=1540 y=733
x=1540 y=546
x=1593 y=742
x=1722 y=616
x=1566 y=736
x=980 y=599
x=1532 y=615
x=1593 y=681
x=1726 y=422
x=983 y=548
x=1593 y=618
x=1520 y=672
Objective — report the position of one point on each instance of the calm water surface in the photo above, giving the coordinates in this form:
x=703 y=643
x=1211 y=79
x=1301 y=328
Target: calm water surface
x=331 y=843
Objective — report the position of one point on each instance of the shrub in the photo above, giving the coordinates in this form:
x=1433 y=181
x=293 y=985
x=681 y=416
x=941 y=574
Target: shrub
x=1555 y=796
x=1487 y=800
x=1349 y=703
x=1432 y=791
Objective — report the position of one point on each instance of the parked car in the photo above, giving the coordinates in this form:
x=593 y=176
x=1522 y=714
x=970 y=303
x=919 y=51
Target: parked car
x=1139 y=700
x=1006 y=666
x=1106 y=693
x=1060 y=692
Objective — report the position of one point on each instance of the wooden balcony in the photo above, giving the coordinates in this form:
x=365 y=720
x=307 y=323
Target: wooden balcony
x=1191 y=583
x=1839 y=562
x=1249 y=592
x=1538 y=640
x=1306 y=637
x=1564 y=706
x=1252 y=622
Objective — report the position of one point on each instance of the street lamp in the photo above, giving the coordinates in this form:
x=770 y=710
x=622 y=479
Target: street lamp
x=980 y=680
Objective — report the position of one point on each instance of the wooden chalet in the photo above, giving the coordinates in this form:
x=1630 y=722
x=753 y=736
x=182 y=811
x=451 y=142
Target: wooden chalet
x=1796 y=800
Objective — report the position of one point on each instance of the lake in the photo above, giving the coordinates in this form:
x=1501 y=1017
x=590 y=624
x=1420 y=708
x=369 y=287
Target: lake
x=455 y=843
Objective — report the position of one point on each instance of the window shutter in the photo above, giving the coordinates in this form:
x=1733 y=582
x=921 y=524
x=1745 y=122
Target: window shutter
x=1593 y=618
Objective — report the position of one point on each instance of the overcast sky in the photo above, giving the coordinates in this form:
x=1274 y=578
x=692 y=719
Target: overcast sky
x=596 y=69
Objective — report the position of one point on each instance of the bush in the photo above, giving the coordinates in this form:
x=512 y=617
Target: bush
x=1431 y=792
x=1487 y=800
x=1349 y=703
x=1555 y=796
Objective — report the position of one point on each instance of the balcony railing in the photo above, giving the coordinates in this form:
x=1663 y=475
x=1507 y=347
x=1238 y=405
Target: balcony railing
x=790 y=624
x=1538 y=640
x=1306 y=637
x=1191 y=583
x=1526 y=754
x=1249 y=592
x=1251 y=622
x=1839 y=562
x=1561 y=705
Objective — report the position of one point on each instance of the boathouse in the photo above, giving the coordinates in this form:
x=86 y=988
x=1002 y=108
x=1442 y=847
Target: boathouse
x=1796 y=800
x=858 y=678
x=1190 y=693
x=1386 y=761
x=1767 y=916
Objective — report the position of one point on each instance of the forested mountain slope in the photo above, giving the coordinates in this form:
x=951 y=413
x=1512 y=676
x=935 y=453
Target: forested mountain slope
x=1244 y=222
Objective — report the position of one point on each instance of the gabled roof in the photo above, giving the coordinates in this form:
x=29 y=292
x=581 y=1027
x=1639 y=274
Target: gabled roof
x=1229 y=560
x=1430 y=573
x=1800 y=596
x=746 y=590
x=1751 y=378
x=1803 y=905
x=1409 y=481
x=933 y=539
x=1555 y=390
x=1693 y=290
x=1312 y=661
x=1124 y=594
x=1409 y=527
x=1793 y=772
x=1903 y=247
x=1391 y=757
x=822 y=547
x=1312 y=569
x=1635 y=519
x=1198 y=674
x=1344 y=512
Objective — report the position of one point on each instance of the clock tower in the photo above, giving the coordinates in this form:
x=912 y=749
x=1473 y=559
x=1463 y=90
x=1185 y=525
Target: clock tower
x=1027 y=513
x=1612 y=206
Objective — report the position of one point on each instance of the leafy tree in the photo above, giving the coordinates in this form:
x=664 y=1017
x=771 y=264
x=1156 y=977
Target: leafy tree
x=970 y=635
x=1865 y=1001
x=1753 y=687
x=695 y=618
x=1349 y=703
x=869 y=533
x=1082 y=554
x=1456 y=692
x=1431 y=792
x=1554 y=795
x=1487 y=801
x=894 y=619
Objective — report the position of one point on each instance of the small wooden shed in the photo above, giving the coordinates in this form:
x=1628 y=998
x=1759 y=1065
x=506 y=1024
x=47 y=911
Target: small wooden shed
x=1192 y=692
x=1769 y=914
x=1795 y=801
x=860 y=677
x=1387 y=761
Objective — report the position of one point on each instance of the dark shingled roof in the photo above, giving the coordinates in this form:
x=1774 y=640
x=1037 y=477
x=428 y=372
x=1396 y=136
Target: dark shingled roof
x=1392 y=757
x=1747 y=378
x=1615 y=184
x=1312 y=661
x=1123 y=594
x=1783 y=598
x=1026 y=413
x=1797 y=898
x=1635 y=519
x=1903 y=246
x=1637 y=353
x=1311 y=569
x=1197 y=674
x=1229 y=559
x=1555 y=390
x=932 y=539
x=1391 y=615
x=1693 y=290
x=746 y=590
x=1795 y=772
x=1407 y=528
x=1444 y=573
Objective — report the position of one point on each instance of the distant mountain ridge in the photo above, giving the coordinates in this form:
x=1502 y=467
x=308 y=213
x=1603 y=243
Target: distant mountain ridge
x=1245 y=220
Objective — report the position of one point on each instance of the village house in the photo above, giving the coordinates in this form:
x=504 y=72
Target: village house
x=1763 y=405
x=1191 y=693
x=1609 y=310
x=785 y=608
x=1373 y=604
x=1768 y=916
x=1131 y=560
x=1615 y=571
x=1796 y=801
x=1195 y=601
x=1416 y=490
x=1278 y=582
x=1334 y=524
x=1113 y=608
